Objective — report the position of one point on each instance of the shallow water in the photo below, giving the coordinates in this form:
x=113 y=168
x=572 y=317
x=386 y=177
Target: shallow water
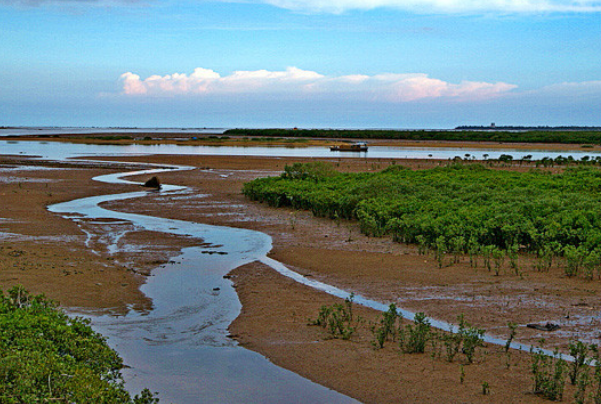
x=42 y=131
x=57 y=151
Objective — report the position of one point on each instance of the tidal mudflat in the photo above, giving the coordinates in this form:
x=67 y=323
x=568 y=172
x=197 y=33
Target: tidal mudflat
x=274 y=313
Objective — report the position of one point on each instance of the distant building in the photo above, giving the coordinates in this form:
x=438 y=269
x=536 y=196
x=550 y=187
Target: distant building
x=492 y=125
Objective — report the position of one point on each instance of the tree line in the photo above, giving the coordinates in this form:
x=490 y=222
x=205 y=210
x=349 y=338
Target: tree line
x=591 y=137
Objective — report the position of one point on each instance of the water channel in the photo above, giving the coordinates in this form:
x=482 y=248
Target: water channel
x=180 y=348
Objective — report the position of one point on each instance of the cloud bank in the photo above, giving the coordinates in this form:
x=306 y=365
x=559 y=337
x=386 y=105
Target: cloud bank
x=303 y=84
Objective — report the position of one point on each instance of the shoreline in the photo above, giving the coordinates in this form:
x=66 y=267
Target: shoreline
x=335 y=253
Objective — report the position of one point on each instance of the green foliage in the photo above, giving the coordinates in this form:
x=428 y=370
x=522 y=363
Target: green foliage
x=386 y=329
x=452 y=343
x=579 y=352
x=46 y=356
x=596 y=394
x=471 y=338
x=458 y=209
x=466 y=340
x=549 y=374
x=311 y=171
x=582 y=384
x=512 y=252
x=413 y=339
x=485 y=388
x=440 y=250
x=512 y=331
x=145 y=397
x=337 y=319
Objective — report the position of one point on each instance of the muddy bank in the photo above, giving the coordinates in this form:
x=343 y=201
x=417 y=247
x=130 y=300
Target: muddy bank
x=69 y=263
x=274 y=322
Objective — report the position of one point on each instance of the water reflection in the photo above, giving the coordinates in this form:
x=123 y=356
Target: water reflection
x=52 y=150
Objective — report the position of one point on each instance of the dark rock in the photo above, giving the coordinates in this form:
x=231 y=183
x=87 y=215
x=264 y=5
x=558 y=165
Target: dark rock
x=153 y=183
x=546 y=327
x=216 y=289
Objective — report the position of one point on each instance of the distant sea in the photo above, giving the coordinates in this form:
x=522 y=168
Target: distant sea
x=41 y=131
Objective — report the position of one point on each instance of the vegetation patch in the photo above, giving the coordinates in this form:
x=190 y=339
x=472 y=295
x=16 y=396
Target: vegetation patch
x=47 y=356
x=458 y=209
x=338 y=319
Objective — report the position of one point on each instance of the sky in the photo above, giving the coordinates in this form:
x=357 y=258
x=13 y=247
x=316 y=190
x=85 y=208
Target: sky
x=300 y=63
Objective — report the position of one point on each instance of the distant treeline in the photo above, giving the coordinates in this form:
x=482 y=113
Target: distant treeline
x=505 y=127
x=529 y=136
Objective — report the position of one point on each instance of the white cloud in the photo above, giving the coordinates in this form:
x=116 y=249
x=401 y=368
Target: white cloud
x=443 y=6
x=297 y=83
x=572 y=89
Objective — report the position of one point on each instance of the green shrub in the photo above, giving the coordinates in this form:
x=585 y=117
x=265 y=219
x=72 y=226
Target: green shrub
x=579 y=352
x=413 y=338
x=471 y=338
x=386 y=329
x=47 y=356
x=311 y=171
x=337 y=319
x=549 y=374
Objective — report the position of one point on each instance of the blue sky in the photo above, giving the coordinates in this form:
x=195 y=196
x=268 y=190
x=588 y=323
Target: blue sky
x=306 y=63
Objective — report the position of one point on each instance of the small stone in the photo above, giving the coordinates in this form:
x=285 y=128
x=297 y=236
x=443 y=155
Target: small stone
x=153 y=183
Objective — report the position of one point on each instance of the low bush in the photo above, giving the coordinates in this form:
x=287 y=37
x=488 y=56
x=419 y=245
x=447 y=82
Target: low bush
x=337 y=319
x=47 y=356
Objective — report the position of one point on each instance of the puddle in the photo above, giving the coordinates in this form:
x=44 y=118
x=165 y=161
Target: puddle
x=27 y=168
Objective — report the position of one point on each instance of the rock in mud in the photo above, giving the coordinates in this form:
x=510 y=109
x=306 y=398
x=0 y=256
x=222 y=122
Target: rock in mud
x=546 y=327
x=153 y=183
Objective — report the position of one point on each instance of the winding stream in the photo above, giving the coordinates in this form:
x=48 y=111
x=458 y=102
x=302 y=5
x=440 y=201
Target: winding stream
x=180 y=347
